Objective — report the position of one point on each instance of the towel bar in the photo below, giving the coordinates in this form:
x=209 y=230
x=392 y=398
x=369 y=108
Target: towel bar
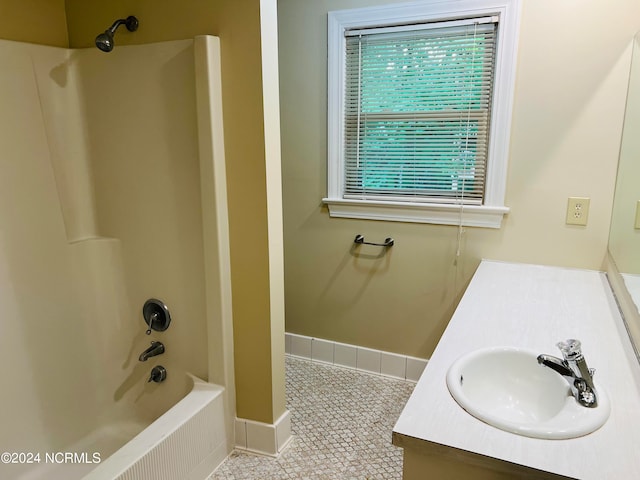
x=388 y=242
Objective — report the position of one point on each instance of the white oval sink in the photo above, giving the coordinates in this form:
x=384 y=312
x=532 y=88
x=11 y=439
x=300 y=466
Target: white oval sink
x=507 y=388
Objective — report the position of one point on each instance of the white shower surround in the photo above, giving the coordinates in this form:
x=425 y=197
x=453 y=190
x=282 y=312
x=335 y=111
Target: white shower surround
x=116 y=409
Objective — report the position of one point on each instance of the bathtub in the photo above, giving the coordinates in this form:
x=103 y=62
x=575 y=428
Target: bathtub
x=186 y=443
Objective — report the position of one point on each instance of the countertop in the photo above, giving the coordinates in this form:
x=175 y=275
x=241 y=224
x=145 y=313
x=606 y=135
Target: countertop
x=533 y=306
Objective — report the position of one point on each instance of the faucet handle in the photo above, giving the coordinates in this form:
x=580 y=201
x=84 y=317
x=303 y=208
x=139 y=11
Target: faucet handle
x=152 y=318
x=571 y=349
x=158 y=374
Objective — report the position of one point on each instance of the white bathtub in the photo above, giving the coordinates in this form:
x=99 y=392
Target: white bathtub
x=187 y=442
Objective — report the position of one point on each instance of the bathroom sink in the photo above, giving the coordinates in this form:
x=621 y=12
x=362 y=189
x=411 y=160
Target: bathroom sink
x=507 y=388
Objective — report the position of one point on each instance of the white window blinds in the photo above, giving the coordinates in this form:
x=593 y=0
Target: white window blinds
x=417 y=112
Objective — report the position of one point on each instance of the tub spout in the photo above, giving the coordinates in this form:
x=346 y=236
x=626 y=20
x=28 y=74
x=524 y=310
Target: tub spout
x=156 y=348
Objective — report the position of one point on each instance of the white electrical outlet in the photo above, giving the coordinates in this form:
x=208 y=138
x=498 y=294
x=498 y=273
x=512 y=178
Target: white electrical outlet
x=577 y=210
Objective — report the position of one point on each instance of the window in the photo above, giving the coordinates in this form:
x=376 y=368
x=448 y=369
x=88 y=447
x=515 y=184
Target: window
x=419 y=111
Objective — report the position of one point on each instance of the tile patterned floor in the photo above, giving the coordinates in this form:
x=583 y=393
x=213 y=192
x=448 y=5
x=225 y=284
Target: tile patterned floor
x=341 y=422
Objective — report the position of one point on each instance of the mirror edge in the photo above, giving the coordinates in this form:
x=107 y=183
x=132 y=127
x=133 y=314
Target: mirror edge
x=626 y=305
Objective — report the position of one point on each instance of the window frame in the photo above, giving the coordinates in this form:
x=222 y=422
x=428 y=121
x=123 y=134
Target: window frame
x=491 y=212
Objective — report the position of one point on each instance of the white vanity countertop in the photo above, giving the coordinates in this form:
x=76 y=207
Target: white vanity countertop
x=533 y=306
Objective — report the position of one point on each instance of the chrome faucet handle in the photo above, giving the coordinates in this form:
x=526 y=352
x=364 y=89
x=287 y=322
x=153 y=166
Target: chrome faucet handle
x=575 y=371
x=571 y=349
x=153 y=318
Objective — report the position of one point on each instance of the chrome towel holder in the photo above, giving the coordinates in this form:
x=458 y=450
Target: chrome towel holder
x=388 y=242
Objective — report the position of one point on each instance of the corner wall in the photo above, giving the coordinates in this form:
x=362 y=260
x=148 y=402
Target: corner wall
x=565 y=137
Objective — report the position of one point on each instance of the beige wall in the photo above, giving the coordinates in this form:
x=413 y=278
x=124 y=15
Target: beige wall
x=160 y=20
x=237 y=23
x=34 y=21
x=565 y=136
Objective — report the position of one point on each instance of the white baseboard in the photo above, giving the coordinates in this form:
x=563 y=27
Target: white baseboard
x=352 y=356
x=264 y=438
x=272 y=439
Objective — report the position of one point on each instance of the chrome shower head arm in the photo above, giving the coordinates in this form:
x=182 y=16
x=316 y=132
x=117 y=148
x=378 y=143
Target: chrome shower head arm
x=130 y=22
x=112 y=29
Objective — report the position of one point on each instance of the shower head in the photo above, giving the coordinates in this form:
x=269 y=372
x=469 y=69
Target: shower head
x=104 y=41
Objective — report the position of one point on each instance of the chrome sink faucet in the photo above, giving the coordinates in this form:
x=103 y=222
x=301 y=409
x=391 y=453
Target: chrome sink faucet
x=574 y=370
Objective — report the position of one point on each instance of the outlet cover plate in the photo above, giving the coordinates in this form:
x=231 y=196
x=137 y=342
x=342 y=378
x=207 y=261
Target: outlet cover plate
x=578 y=211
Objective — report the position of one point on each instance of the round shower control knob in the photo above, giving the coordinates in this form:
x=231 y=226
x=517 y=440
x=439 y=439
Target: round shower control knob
x=156 y=315
x=158 y=374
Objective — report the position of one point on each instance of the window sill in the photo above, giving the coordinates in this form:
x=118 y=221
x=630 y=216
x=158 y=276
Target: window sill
x=472 y=215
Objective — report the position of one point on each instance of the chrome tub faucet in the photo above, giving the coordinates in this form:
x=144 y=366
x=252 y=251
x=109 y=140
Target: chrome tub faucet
x=574 y=369
x=156 y=348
